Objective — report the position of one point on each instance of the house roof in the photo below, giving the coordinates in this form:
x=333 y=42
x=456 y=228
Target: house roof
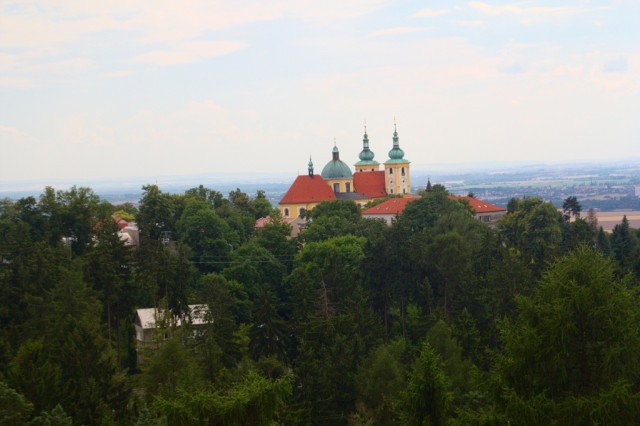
x=307 y=189
x=370 y=184
x=395 y=206
x=147 y=316
x=392 y=206
x=260 y=223
x=478 y=205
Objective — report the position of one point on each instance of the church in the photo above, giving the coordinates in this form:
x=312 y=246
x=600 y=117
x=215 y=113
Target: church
x=337 y=182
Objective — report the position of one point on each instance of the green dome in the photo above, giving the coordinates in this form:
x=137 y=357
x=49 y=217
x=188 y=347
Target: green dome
x=366 y=154
x=396 y=155
x=336 y=168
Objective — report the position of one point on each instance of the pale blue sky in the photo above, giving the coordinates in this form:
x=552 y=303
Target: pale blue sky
x=144 y=88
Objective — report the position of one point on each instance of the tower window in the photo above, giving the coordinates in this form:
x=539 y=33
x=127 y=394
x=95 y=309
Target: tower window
x=391 y=191
x=403 y=171
x=390 y=171
x=336 y=187
x=286 y=212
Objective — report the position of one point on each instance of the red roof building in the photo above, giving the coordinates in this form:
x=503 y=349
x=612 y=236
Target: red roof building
x=393 y=207
x=308 y=189
x=370 y=184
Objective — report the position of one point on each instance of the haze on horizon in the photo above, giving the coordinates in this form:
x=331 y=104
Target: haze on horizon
x=120 y=88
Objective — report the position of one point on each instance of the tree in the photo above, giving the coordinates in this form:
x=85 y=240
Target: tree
x=623 y=245
x=380 y=381
x=573 y=354
x=571 y=207
x=156 y=213
x=534 y=230
x=206 y=234
x=426 y=399
x=254 y=400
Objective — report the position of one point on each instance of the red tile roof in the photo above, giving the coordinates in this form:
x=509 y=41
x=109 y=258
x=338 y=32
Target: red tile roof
x=393 y=206
x=307 y=189
x=478 y=205
x=370 y=184
x=260 y=223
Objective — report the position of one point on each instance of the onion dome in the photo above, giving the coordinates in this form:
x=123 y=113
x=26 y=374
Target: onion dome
x=396 y=155
x=366 y=155
x=336 y=168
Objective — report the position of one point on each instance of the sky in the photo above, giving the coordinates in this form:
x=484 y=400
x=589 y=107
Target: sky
x=153 y=88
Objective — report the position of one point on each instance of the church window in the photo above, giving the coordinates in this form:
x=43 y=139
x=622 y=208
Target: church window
x=348 y=186
x=286 y=212
x=403 y=171
x=404 y=191
x=336 y=187
x=392 y=191
x=390 y=171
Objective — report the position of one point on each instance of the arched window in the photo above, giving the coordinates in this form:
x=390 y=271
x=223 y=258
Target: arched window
x=336 y=187
x=390 y=171
x=348 y=186
x=403 y=171
x=286 y=212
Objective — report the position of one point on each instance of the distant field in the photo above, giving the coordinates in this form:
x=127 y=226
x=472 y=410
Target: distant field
x=610 y=219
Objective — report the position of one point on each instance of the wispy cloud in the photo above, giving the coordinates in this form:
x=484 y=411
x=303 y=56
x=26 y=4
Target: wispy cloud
x=470 y=23
x=17 y=82
x=429 y=13
x=515 y=9
x=186 y=53
x=397 y=30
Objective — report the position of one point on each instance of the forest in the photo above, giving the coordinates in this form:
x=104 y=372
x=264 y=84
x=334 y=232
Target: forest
x=435 y=320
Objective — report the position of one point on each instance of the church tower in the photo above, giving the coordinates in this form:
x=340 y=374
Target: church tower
x=366 y=163
x=397 y=176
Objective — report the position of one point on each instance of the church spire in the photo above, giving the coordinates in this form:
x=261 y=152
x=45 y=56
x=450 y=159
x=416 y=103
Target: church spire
x=310 y=167
x=366 y=154
x=396 y=153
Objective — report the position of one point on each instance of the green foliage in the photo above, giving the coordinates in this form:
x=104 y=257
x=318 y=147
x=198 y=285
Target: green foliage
x=380 y=381
x=426 y=400
x=253 y=401
x=575 y=342
x=331 y=321
x=533 y=228
x=14 y=408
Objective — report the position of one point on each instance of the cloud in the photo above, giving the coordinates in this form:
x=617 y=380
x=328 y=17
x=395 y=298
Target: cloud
x=429 y=13
x=514 y=9
x=186 y=53
x=616 y=65
x=17 y=82
x=470 y=23
x=397 y=30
